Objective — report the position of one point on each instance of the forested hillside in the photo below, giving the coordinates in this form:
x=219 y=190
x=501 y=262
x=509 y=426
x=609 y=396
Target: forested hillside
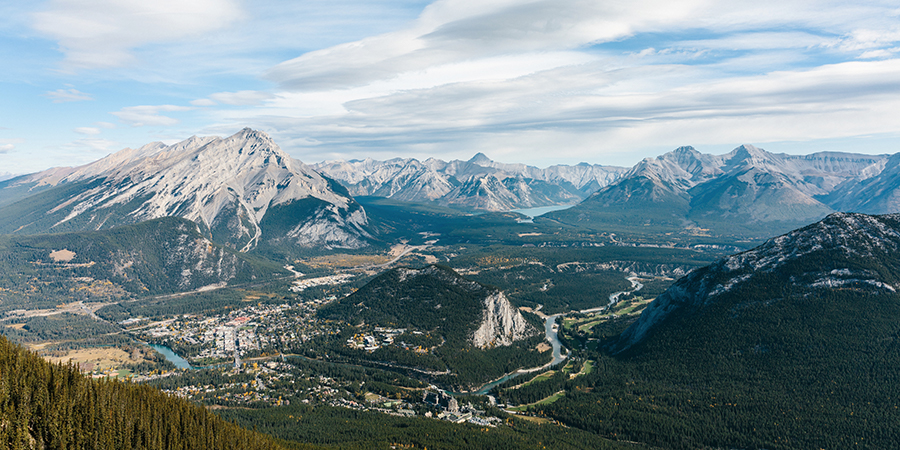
x=154 y=257
x=43 y=405
x=440 y=316
x=792 y=345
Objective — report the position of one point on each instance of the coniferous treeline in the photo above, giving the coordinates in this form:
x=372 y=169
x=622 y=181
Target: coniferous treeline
x=801 y=371
x=52 y=406
x=348 y=429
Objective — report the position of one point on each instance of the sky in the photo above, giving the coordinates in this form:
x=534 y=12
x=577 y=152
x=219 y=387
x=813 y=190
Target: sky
x=526 y=81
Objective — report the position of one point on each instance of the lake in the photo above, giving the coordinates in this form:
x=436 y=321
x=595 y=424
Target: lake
x=534 y=212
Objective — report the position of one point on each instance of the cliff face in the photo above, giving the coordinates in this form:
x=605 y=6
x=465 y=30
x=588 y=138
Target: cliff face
x=501 y=324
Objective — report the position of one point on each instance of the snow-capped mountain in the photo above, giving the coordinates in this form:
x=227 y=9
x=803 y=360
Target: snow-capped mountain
x=747 y=187
x=849 y=252
x=242 y=190
x=478 y=183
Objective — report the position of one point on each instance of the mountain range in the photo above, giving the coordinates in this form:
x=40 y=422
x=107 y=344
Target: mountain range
x=478 y=183
x=746 y=191
x=243 y=191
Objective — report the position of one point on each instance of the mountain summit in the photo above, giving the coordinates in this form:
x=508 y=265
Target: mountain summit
x=242 y=190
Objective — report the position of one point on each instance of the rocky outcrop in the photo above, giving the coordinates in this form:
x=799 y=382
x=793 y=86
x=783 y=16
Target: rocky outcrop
x=501 y=324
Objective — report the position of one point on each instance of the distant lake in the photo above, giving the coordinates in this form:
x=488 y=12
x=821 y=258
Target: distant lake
x=534 y=212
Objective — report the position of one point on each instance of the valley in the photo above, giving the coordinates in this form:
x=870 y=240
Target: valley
x=289 y=357
x=628 y=320
x=450 y=225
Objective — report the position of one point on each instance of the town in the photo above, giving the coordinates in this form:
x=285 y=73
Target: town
x=248 y=357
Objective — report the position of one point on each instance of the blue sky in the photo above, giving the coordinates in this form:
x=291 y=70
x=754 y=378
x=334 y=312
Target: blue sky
x=539 y=82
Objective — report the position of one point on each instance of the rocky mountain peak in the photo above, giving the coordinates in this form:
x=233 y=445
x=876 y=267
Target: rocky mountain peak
x=748 y=155
x=480 y=159
x=227 y=185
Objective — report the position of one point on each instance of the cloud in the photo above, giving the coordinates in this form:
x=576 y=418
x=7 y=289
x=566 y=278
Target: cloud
x=880 y=53
x=584 y=111
x=102 y=33
x=149 y=115
x=67 y=95
x=203 y=102
x=5 y=148
x=87 y=130
x=241 y=98
x=94 y=144
x=580 y=77
x=577 y=76
x=450 y=32
x=454 y=31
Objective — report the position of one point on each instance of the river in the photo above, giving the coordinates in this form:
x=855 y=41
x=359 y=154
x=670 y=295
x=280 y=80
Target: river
x=550 y=330
x=173 y=357
x=614 y=297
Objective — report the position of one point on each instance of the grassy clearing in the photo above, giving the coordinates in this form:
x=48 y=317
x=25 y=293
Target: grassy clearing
x=586 y=368
x=587 y=326
x=545 y=401
x=537 y=420
x=536 y=379
x=583 y=324
x=638 y=305
x=99 y=358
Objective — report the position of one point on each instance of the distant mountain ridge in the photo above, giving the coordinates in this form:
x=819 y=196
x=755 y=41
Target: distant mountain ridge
x=846 y=251
x=747 y=190
x=242 y=190
x=478 y=183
